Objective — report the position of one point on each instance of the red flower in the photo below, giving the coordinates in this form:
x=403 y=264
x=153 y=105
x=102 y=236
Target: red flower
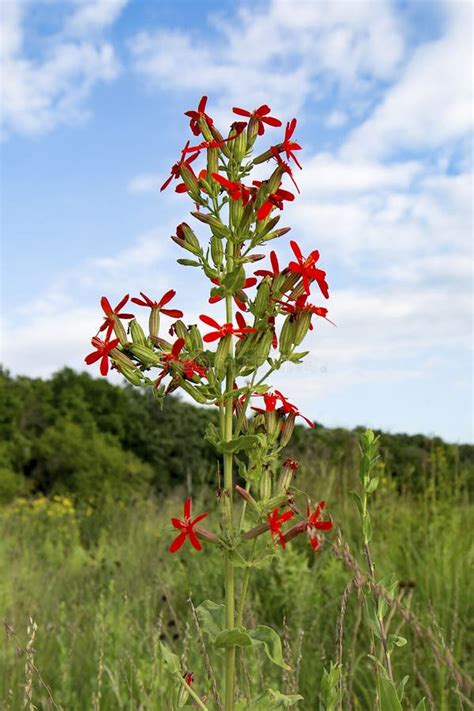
x=286 y=168
x=168 y=358
x=227 y=329
x=301 y=305
x=165 y=299
x=102 y=351
x=210 y=144
x=260 y=115
x=192 y=368
x=237 y=191
x=112 y=314
x=275 y=521
x=270 y=401
x=288 y=146
x=288 y=408
x=176 y=168
x=248 y=283
x=195 y=116
x=314 y=524
x=275 y=267
x=306 y=269
x=274 y=200
x=186 y=527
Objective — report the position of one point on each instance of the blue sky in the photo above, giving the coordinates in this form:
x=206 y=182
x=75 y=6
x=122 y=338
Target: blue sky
x=93 y=95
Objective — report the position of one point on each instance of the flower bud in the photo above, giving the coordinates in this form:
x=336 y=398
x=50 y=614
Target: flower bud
x=263 y=348
x=287 y=336
x=145 y=355
x=266 y=155
x=263 y=297
x=302 y=324
x=265 y=226
x=277 y=233
x=216 y=224
x=180 y=329
x=255 y=257
x=190 y=180
x=222 y=353
x=294 y=531
x=120 y=331
x=274 y=180
x=137 y=333
x=194 y=392
x=265 y=485
x=133 y=375
x=195 y=338
x=247 y=496
x=256 y=531
x=154 y=322
x=287 y=429
x=288 y=470
x=217 y=250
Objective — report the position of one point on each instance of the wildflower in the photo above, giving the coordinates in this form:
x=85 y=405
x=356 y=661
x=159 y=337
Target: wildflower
x=287 y=408
x=186 y=528
x=196 y=116
x=214 y=143
x=158 y=305
x=314 y=524
x=301 y=305
x=270 y=402
x=237 y=191
x=275 y=522
x=306 y=269
x=168 y=358
x=274 y=200
x=176 y=168
x=284 y=166
x=248 y=283
x=260 y=116
x=275 y=267
x=111 y=315
x=102 y=352
x=227 y=329
x=288 y=146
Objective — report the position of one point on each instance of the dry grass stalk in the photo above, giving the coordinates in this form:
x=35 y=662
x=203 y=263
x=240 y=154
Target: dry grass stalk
x=207 y=662
x=340 y=632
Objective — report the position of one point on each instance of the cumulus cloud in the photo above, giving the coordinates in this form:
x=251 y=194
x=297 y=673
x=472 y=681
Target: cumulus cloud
x=42 y=91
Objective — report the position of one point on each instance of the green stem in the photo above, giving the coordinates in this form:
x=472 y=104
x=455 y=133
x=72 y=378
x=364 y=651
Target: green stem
x=245 y=587
x=192 y=693
x=229 y=486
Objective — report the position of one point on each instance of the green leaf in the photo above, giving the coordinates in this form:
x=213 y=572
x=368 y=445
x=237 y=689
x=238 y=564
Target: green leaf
x=171 y=660
x=394 y=640
x=271 y=642
x=401 y=687
x=270 y=701
x=367 y=527
x=236 y=637
x=234 y=280
x=357 y=500
x=389 y=700
x=372 y=485
x=238 y=444
x=211 y=617
x=211 y=434
x=421 y=706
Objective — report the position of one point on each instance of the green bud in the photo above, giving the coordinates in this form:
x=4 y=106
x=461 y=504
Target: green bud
x=145 y=355
x=194 y=392
x=287 y=429
x=181 y=330
x=302 y=324
x=189 y=179
x=120 y=331
x=287 y=336
x=263 y=157
x=217 y=135
x=260 y=304
x=246 y=218
x=213 y=222
x=137 y=333
x=222 y=353
x=195 y=338
x=277 y=233
x=239 y=145
x=265 y=485
x=274 y=181
x=217 y=250
x=263 y=348
x=288 y=471
x=212 y=164
x=133 y=375
x=120 y=358
x=236 y=212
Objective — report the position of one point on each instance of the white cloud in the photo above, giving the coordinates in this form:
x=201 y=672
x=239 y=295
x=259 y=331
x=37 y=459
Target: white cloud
x=40 y=92
x=431 y=104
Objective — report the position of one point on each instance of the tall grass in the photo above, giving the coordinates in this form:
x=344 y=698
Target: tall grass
x=102 y=591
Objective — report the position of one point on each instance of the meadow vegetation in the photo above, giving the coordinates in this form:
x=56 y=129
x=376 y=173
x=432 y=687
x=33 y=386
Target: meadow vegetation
x=90 y=474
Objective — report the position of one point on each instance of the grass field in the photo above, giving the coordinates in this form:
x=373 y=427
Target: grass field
x=88 y=595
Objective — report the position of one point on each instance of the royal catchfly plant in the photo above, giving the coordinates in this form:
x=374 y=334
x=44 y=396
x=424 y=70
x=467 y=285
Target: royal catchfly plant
x=228 y=366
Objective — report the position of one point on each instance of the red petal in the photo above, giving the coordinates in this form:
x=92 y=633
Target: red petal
x=200 y=518
x=104 y=365
x=241 y=112
x=93 y=357
x=271 y=121
x=177 y=347
x=173 y=313
x=264 y=210
x=187 y=507
x=296 y=250
x=177 y=523
x=208 y=338
x=240 y=320
x=105 y=303
x=194 y=540
x=202 y=105
x=178 y=542
x=262 y=110
x=167 y=297
x=122 y=303
x=209 y=321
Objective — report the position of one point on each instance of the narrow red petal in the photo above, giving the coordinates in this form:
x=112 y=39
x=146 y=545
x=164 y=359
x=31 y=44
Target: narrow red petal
x=178 y=542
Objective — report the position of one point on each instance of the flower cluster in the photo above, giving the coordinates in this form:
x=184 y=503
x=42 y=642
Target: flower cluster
x=241 y=215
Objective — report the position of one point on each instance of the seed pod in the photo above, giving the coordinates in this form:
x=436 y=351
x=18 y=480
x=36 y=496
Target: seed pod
x=217 y=250
x=272 y=424
x=263 y=348
x=245 y=494
x=236 y=212
x=239 y=145
x=265 y=485
x=287 y=336
x=287 y=429
x=222 y=354
x=302 y=324
x=212 y=165
x=137 y=333
x=154 y=322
